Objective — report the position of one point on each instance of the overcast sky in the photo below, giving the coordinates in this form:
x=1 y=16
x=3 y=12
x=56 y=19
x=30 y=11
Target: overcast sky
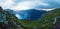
x=29 y=4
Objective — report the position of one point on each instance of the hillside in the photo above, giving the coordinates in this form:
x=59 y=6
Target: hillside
x=50 y=19
x=45 y=22
x=9 y=21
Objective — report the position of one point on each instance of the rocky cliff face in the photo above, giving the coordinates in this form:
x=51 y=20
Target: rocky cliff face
x=8 y=21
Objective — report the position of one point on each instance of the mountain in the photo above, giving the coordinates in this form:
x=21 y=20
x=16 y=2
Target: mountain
x=8 y=20
x=31 y=14
x=49 y=20
x=10 y=11
x=45 y=20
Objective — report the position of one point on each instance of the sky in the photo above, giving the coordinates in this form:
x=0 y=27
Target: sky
x=29 y=4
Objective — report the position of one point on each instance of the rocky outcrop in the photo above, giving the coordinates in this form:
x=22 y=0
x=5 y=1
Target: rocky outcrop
x=8 y=21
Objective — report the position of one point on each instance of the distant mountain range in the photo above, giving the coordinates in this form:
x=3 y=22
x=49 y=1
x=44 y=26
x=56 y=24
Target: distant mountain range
x=10 y=11
x=31 y=14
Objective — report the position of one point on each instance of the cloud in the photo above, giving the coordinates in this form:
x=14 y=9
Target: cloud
x=52 y=3
x=28 y=4
x=48 y=9
x=6 y=3
x=23 y=4
x=18 y=16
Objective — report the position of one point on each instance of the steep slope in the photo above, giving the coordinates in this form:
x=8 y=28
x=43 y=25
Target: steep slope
x=49 y=18
x=8 y=20
x=45 y=22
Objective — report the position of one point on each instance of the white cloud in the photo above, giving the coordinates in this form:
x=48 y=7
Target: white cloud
x=28 y=5
x=6 y=3
x=25 y=4
x=18 y=16
x=48 y=9
x=45 y=9
x=22 y=6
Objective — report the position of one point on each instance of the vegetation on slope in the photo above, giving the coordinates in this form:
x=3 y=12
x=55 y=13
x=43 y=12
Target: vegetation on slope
x=45 y=22
x=8 y=20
